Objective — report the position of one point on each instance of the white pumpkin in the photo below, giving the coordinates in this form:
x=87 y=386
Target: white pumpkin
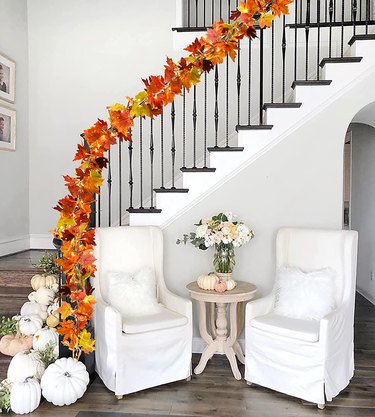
x=34 y=308
x=25 y=365
x=231 y=283
x=207 y=282
x=64 y=381
x=25 y=396
x=53 y=320
x=43 y=281
x=30 y=323
x=42 y=296
x=44 y=336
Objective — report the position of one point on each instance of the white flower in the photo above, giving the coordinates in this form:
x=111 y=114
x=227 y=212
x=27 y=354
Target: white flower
x=230 y=216
x=201 y=230
x=237 y=243
x=227 y=240
x=209 y=241
x=218 y=236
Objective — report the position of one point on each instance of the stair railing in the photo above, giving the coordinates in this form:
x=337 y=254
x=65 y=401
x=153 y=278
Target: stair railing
x=233 y=96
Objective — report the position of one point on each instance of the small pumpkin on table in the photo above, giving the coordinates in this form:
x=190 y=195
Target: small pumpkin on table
x=212 y=282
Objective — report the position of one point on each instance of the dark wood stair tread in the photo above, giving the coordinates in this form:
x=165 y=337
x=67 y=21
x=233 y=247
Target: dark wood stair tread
x=253 y=127
x=340 y=60
x=171 y=190
x=281 y=106
x=191 y=29
x=195 y=169
x=363 y=37
x=225 y=149
x=310 y=83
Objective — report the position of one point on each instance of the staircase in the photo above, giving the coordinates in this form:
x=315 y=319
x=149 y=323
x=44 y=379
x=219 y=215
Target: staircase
x=16 y=272
x=286 y=77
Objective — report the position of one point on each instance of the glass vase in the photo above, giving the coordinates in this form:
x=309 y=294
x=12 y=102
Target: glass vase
x=224 y=260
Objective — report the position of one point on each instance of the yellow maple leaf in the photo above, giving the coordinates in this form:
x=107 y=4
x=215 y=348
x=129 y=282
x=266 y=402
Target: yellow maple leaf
x=266 y=19
x=65 y=310
x=85 y=341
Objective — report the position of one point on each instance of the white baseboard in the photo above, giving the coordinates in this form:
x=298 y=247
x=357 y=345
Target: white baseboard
x=199 y=344
x=14 y=244
x=368 y=296
x=41 y=241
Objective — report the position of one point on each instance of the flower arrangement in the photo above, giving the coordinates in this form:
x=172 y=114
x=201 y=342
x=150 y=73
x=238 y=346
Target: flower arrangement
x=223 y=232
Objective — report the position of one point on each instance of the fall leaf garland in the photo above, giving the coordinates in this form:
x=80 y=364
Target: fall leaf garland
x=78 y=241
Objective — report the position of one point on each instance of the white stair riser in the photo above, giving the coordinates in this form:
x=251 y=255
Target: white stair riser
x=311 y=94
x=341 y=73
x=365 y=49
x=280 y=116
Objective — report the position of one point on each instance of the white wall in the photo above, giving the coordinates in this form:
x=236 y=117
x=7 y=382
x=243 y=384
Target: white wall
x=363 y=204
x=14 y=166
x=84 y=55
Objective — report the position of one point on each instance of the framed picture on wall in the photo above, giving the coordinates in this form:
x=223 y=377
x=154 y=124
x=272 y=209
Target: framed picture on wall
x=7 y=129
x=7 y=79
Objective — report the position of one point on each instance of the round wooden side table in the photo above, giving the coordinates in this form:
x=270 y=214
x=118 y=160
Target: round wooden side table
x=218 y=340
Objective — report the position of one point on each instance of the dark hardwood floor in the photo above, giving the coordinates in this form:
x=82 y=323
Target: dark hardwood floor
x=216 y=392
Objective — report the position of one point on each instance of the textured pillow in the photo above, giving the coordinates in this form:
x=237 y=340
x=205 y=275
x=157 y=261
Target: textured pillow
x=133 y=295
x=305 y=295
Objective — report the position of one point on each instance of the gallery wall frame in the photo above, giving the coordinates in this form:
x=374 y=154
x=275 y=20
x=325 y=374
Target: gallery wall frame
x=8 y=129
x=7 y=79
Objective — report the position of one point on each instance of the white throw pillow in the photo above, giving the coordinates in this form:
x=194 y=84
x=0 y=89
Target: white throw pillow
x=133 y=295
x=305 y=295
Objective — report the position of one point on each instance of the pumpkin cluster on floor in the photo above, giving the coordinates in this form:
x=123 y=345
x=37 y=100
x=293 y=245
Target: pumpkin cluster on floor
x=32 y=340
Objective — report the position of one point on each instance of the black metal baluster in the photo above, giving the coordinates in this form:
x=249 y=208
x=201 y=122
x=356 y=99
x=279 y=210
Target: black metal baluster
x=220 y=10
x=342 y=26
x=119 y=183
x=212 y=11
x=295 y=39
x=216 y=111
x=354 y=15
x=162 y=148
x=307 y=32
x=301 y=12
x=326 y=11
x=141 y=161
x=261 y=77
x=272 y=60
x=196 y=13
x=367 y=15
x=249 y=83
x=109 y=183
x=205 y=123
x=194 y=114
x=318 y=41
x=360 y=10
x=283 y=51
x=228 y=11
x=330 y=28
x=204 y=13
x=173 y=145
x=184 y=128
x=239 y=83
x=130 y=182
x=152 y=162
x=188 y=13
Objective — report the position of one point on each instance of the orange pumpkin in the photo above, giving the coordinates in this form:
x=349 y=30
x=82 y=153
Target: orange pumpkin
x=221 y=286
x=12 y=344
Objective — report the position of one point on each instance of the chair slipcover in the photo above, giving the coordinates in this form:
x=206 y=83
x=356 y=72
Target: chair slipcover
x=312 y=360
x=139 y=352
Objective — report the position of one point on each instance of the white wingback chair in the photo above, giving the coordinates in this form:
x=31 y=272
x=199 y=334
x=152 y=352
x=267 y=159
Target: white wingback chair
x=308 y=359
x=140 y=352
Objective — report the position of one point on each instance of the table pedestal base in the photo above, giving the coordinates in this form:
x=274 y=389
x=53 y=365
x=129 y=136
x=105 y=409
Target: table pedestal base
x=218 y=341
